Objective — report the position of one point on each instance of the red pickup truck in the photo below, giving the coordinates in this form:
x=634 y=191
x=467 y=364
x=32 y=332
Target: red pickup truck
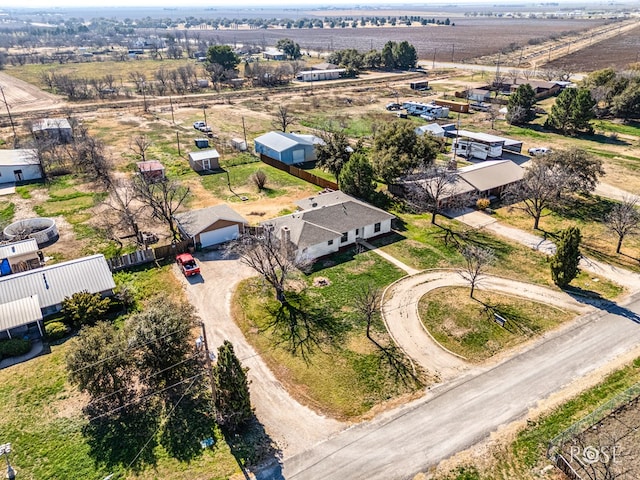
x=187 y=264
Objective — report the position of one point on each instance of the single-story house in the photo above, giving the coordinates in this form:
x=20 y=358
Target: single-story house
x=273 y=54
x=324 y=66
x=541 y=88
x=58 y=129
x=479 y=95
x=211 y=226
x=19 y=165
x=320 y=75
x=51 y=284
x=431 y=128
x=151 y=170
x=328 y=222
x=205 y=160
x=287 y=148
x=19 y=256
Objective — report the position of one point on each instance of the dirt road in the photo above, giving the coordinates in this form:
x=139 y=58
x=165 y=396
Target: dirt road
x=291 y=425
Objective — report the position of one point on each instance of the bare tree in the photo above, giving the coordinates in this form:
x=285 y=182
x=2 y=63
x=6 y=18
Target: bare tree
x=477 y=260
x=259 y=178
x=513 y=74
x=539 y=190
x=272 y=257
x=139 y=145
x=624 y=219
x=283 y=118
x=122 y=203
x=434 y=186
x=367 y=302
x=492 y=114
x=163 y=198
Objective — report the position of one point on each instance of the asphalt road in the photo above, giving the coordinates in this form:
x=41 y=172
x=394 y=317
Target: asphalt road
x=399 y=444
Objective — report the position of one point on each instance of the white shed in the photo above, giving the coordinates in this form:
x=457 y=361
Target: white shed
x=19 y=165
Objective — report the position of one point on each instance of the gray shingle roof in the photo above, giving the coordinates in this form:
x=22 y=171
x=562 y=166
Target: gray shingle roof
x=195 y=221
x=53 y=283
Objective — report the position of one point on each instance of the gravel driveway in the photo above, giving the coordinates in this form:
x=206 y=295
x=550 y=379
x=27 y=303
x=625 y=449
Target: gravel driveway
x=293 y=426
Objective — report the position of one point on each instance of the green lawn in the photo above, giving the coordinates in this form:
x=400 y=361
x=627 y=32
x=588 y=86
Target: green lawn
x=466 y=326
x=588 y=214
x=7 y=210
x=423 y=245
x=343 y=375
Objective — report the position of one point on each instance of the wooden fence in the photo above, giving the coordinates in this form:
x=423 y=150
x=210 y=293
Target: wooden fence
x=300 y=173
x=141 y=257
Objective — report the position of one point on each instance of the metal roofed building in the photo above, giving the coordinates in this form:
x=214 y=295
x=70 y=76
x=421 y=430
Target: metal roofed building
x=19 y=165
x=19 y=256
x=53 y=283
x=20 y=313
x=205 y=160
x=505 y=143
x=287 y=148
x=55 y=128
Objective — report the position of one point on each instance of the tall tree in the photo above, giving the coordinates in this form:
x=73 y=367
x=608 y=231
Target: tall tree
x=283 y=118
x=223 y=55
x=405 y=55
x=564 y=264
x=356 y=178
x=290 y=48
x=476 y=262
x=521 y=102
x=233 y=404
x=334 y=152
x=435 y=185
x=163 y=198
x=624 y=219
x=572 y=111
x=577 y=170
x=388 y=57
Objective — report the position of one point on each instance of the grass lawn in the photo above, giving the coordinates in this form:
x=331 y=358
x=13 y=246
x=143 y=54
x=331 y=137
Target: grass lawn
x=32 y=73
x=423 y=245
x=42 y=414
x=526 y=455
x=7 y=210
x=278 y=182
x=344 y=375
x=586 y=213
x=466 y=326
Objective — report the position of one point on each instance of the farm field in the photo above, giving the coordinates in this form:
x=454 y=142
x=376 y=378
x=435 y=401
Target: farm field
x=617 y=52
x=459 y=41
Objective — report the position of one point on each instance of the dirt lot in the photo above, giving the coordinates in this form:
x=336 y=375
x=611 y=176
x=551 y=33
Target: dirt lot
x=22 y=96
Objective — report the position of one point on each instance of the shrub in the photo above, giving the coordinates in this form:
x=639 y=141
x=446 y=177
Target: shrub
x=84 y=308
x=482 y=203
x=259 y=178
x=56 y=330
x=14 y=347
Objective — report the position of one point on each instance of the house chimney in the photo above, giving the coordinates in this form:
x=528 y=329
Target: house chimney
x=285 y=239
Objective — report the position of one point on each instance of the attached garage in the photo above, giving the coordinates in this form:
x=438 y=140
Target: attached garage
x=211 y=226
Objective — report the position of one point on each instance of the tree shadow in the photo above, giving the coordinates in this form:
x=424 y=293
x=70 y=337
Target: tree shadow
x=301 y=325
x=507 y=317
x=596 y=300
x=116 y=440
x=402 y=369
x=611 y=139
x=256 y=453
x=588 y=208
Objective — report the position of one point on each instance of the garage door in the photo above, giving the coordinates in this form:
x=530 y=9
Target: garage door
x=219 y=236
x=298 y=155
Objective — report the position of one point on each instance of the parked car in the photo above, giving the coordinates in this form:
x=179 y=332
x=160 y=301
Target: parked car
x=187 y=264
x=539 y=151
x=393 y=106
x=402 y=115
x=205 y=129
x=198 y=125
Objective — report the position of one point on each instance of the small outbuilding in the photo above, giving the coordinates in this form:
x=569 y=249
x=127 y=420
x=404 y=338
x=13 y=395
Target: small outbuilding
x=273 y=54
x=151 y=170
x=211 y=226
x=21 y=165
x=205 y=160
x=289 y=148
x=432 y=129
x=238 y=144
x=320 y=75
x=19 y=256
x=58 y=129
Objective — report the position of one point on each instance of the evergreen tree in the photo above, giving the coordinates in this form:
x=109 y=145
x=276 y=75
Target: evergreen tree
x=84 y=308
x=572 y=111
x=405 y=55
x=582 y=111
x=520 y=105
x=223 y=55
x=388 y=58
x=564 y=264
x=232 y=389
x=560 y=116
x=356 y=177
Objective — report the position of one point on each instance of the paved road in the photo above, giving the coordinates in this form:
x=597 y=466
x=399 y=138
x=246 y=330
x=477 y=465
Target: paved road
x=401 y=443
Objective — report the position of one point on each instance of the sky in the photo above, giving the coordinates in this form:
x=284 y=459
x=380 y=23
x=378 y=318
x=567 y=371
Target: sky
x=242 y=3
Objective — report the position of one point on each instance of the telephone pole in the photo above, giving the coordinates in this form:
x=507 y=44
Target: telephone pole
x=13 y=126
x=208 y=364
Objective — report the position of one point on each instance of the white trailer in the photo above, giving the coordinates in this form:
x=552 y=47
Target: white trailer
x=469 y=149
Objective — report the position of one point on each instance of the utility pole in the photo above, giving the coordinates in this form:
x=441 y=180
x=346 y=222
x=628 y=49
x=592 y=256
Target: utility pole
x=244 y=131
x=13 y=127
x=178 y=139
x=204 y=112
x=433 y=65
x=173 y=120
x=208 y=364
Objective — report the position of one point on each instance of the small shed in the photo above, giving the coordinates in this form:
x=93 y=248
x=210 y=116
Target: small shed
x=202 y=142
x=58 y=129
x=19 y=256
x=419 y=85
x=19 y=165
x=431 y=128
x=211 y=226
x=151 y=170
x=289 y=148
x=239 y=144
x=205 y=160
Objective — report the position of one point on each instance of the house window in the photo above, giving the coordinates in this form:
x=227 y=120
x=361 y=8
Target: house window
x=376 y=227
x=330 y=242
x=345 y=237
x=357 y=232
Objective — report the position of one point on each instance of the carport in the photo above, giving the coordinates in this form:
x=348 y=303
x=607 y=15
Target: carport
x=18 y=316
